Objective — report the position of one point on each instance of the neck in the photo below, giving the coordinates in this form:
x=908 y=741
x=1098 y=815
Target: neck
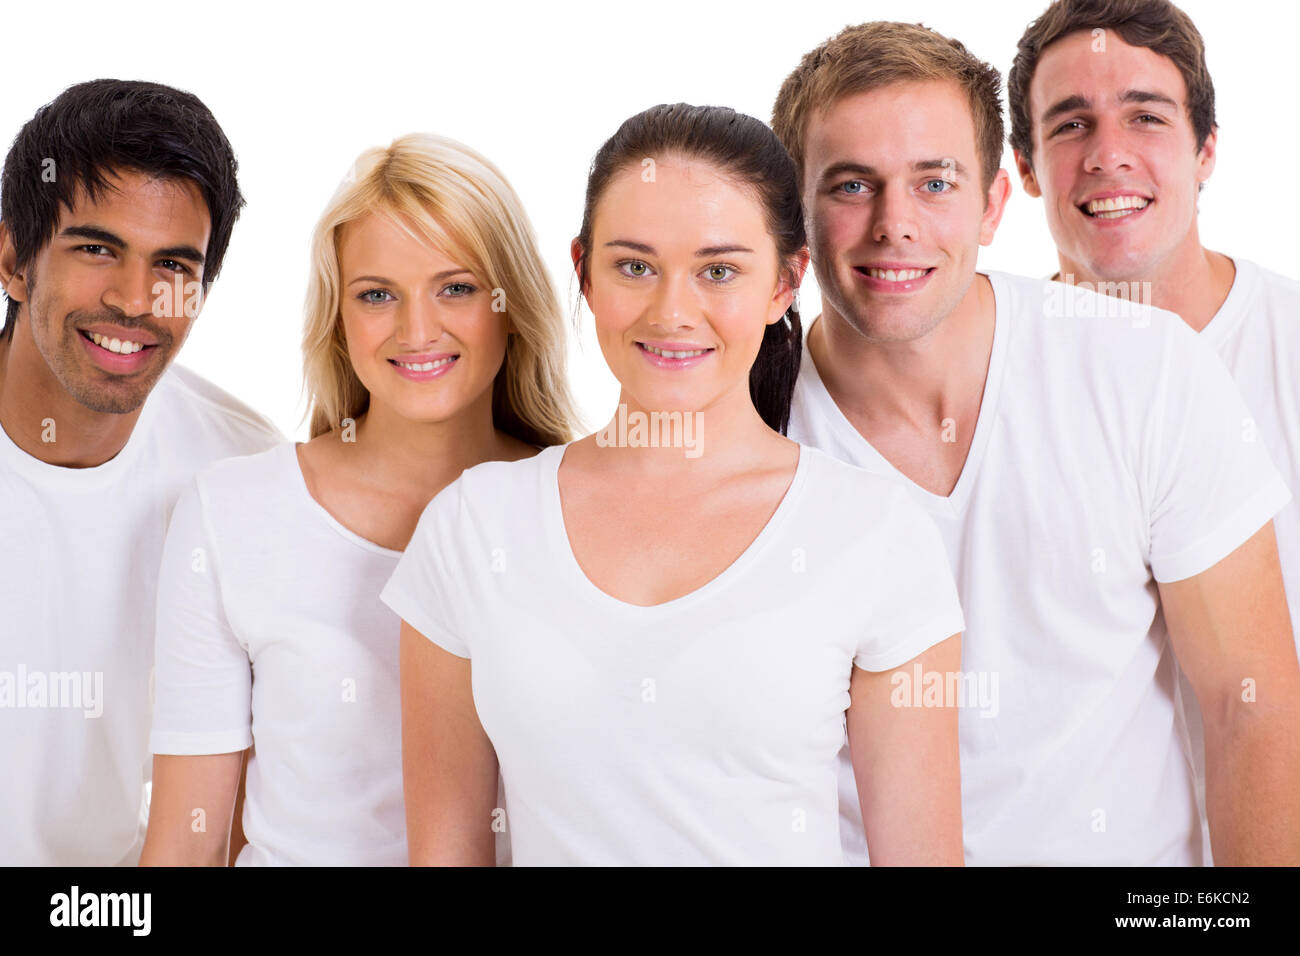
x=726 y=434
x=426 y=456
x=43 y=420
x=1192 y=281
x=918 y=381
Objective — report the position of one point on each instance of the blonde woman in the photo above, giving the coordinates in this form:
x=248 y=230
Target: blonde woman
x=434 y=341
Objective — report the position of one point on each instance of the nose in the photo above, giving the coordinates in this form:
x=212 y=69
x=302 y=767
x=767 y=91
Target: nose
x=1108 y=150
x=130 y=289
x=893 y=218
x=419 y=323
x=674 y=304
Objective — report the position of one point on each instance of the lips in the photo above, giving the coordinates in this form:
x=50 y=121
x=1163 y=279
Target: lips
x=115 y=354
x=1114 y=207
x=674 y=355
x=893 y=277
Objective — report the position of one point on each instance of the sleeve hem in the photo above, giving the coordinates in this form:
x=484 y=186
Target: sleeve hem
x=410 y=611
x=183 y=744
x=922 y=638
x=1230 y=534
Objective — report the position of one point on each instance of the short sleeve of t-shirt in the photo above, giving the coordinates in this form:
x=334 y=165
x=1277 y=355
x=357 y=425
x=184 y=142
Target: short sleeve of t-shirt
x=1213 y=484
x=916 y=604
x=203 y=679
x=422 y=590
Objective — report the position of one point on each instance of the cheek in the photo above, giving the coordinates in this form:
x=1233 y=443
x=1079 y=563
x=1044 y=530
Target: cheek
x=837 y=226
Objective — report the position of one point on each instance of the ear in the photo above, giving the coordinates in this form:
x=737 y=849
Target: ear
x=996 y=204
x=575 y=253
x=1027 y=177
x=13 y=281
x=791 y=279
x=1207 y=155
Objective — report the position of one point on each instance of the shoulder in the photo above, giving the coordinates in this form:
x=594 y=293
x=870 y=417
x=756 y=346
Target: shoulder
x=850 y=494
x=255 y=485
x=1281 y=293
x=1102 y=332
x=208 y=415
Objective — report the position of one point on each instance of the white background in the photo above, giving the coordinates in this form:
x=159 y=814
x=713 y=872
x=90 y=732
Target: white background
x=301 y=90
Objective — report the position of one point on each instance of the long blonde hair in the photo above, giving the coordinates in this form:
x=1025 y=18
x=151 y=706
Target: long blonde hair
x=463 y=204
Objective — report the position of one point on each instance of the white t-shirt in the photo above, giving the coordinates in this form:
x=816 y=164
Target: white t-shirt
x=1257 y=334
x=699 y=731
x=1109 y=455
x=258 y=579
x=78 y=576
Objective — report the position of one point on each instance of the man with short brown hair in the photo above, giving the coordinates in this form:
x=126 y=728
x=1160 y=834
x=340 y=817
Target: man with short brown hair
x=1084 y=464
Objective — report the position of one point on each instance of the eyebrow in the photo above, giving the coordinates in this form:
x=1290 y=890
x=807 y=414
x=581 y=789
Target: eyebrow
x=445 y=274
x=920 y=166
x=700 y=253
x=1080 y=102
x=103 y=236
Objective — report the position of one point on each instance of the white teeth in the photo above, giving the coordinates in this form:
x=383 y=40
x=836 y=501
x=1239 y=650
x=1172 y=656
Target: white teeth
x=896 y=275
x=673 y=355
x=426 y=366
x=122 y=347
x=1117 y=206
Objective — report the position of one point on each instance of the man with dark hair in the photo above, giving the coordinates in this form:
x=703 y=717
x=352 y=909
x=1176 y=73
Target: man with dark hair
x=1113 y=126
x=1084 y=463
x=116 y=206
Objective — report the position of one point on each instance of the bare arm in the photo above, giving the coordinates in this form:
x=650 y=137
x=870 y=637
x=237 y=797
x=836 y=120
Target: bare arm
x=191 y=808
x=449 y=769
x=1231 y=632
x=906 y=764
x=237 y=839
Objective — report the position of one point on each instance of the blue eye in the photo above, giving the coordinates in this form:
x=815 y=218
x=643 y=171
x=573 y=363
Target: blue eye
x=367 y=296
x=464 y=287
x=944 y=185
x=852 y=188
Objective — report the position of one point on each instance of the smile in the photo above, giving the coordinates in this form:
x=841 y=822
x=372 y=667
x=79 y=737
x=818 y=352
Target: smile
x=120 y=346
x=1116 y=207
x=424 y=366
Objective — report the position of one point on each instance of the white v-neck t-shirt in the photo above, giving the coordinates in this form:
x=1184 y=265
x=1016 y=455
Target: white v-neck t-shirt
x=704 y=730
x=79 y=553
x=271 y=631
x=1110 y=454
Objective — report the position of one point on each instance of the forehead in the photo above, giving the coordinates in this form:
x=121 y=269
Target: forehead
x=1100 y=68
x=900 y=123
x=392 y=242
x=680 y=198
x=144 y=210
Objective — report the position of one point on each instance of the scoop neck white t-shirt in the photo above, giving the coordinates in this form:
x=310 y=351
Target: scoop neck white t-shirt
x=78 y=578
x=703 y=730
x=259 y=581
x=1108 y=455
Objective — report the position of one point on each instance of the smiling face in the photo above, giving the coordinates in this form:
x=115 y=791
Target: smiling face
x=92 y=302
x=896 y=208
x=683 y=280
x=421 y=333
x=1115 y=157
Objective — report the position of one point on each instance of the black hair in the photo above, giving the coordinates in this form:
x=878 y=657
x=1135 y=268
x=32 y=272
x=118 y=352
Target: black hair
x=77 y=142
x=743 y=148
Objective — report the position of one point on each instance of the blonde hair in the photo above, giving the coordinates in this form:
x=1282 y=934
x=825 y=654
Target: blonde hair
x=463 y=204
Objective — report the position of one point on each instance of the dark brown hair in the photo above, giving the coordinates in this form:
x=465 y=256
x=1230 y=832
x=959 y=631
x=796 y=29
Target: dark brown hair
x=746 y=150
x=1157 y=25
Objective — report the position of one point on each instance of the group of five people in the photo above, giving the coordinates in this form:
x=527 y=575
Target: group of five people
x=446 y=630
